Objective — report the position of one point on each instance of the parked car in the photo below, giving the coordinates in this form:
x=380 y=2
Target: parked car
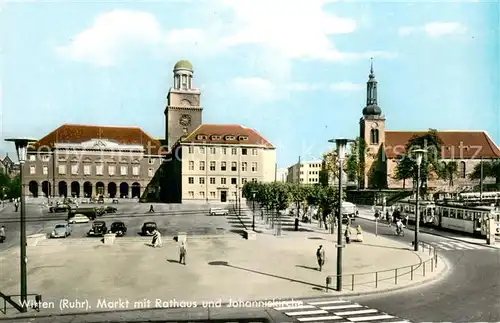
x=77 y=218
x=348 y=211
x=60 y=208
x=100 y=199
x=61 y=231
x=148 y=228
x=98 y=229
x=118 y=228
x=90 y=212
x=218 y=211
x=110 y=209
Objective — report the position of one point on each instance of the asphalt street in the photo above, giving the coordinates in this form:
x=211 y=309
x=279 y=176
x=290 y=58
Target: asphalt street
x=182 y=218
x=470 y=293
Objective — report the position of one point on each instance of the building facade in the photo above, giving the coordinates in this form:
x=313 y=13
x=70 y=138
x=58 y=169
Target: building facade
x=383 y=147
x=88 y=161
x=214 y=162
x=282 y=175
x=305 y=172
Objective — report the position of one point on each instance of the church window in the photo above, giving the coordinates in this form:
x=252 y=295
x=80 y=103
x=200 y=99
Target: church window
x=374 y=139
x=462 y=169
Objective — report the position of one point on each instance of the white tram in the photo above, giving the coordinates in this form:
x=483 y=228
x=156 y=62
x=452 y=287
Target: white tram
x=426 y=208
x=476 y=196
x=467 y=219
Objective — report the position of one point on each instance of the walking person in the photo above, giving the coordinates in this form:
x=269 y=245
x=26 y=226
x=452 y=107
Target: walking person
x=182 y=253
x=347 y=234
x=359 y=234
x=320 y=256
x=2 y=233
x=156 y=238
x=151 y=209
x=296 y=224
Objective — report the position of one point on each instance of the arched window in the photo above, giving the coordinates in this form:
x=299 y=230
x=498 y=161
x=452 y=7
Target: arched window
x=462 y=169
x=374 y=136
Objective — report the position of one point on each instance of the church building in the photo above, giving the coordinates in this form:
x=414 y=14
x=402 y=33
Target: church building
x=383 y=146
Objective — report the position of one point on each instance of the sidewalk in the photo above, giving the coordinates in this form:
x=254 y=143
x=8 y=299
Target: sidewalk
x=218 y=269
x=366 y=213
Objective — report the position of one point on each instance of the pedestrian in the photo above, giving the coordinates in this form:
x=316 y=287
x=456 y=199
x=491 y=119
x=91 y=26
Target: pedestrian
x=151 y=209
x=2 y=233
x=320 y=255
x=359 y=234
x=296 y=224
x=156 y=238
x=16 y=206
x=347 y=234
x=182 y=253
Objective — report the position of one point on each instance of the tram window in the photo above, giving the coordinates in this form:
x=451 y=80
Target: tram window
x=446 y=213
x=452 y=213
x=468 y=215
x=438 y=211
x=460 y=214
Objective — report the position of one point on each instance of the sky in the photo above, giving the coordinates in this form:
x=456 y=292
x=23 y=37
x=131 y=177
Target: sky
x=294 y=70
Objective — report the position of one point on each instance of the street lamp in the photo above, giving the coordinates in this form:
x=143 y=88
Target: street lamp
x=341 y=144
x=419 y=154
x=22 y=152
x=253 y=209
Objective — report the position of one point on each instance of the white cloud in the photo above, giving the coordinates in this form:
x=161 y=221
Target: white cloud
x=264 y=90
x=110 y=35
x=434 y=29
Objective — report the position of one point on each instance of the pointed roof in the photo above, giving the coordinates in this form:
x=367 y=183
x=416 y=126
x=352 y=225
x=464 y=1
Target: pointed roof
x=457 y=144
x=7 y=161
x=75 y=133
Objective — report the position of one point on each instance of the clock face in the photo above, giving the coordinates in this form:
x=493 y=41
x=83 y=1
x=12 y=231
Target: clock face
x=185 y=103
x=185 y=120
x=374 y=125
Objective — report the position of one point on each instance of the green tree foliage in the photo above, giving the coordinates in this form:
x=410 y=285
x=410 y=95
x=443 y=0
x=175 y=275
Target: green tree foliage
x=491 y=168
x=447 y=171
x=431 y=143
x=10 y=187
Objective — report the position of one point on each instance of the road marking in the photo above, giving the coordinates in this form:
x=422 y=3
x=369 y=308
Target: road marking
x=327 y=302
x=370 y=318
x=319 y=318
x=356 y=312
x=443 y=247
x=306 y=313
x=463 y=245
x=447 y=244
x=293 y=307
x=340 y=307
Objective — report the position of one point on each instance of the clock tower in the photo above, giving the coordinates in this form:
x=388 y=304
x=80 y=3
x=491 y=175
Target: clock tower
x=183 y=113
x=372 y=129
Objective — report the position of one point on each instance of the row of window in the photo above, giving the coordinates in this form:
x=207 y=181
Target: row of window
x=311 y=172
x=46 y=158
x=223 y=166
x=223 y=180
x=87 y=170
x=213 y=150
x=201 y=194
x=310 y=165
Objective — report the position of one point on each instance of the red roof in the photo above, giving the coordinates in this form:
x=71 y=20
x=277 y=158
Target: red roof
x=72 y=133
x=455 y=144
x=230 y=134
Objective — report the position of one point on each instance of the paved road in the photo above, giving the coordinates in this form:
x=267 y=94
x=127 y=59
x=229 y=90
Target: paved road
x=469 y=294
x=192 y=219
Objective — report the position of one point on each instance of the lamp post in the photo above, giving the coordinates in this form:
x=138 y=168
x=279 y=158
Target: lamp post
x=253 y=210
x=341 y=144
x=419 y=154
x=21 y=149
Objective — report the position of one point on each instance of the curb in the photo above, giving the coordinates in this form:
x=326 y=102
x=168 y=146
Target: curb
x=443 y=236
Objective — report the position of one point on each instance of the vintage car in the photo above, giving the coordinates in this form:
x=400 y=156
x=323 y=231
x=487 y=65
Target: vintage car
x=148 y=228
x=110 y=209
x=59 y=208
x=118 y=228
x=90 y=212
x=77 y=218
x=100 y=199
x=218 y=211
x=98 y=229
x=61 y=231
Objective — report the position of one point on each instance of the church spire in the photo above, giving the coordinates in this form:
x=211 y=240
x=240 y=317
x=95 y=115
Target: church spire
x=372 y=107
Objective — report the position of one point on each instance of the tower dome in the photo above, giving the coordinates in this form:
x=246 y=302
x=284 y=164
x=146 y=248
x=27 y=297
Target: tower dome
x=372 y=110
x=183 y=65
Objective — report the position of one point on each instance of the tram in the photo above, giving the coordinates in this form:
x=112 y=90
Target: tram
x=452 y=215
x=476 y=196
x=463 y=218
x=426 y=208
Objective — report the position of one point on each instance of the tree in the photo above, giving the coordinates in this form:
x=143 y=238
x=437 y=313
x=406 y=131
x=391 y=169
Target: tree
x=447 y=171
x=330 y=167
x=404 y=169
x=491 y=168
x=298 y=195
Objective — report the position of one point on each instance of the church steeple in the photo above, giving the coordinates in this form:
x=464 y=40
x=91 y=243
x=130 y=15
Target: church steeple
x=372 y=108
